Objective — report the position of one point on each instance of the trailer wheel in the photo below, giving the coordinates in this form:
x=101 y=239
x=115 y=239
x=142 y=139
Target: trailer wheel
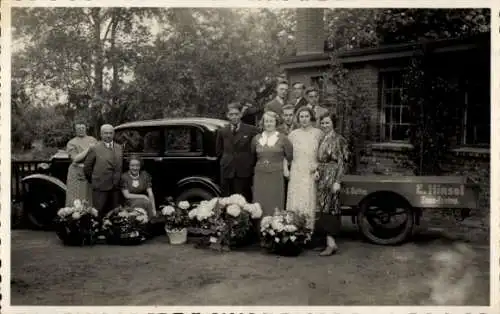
x=386 y=219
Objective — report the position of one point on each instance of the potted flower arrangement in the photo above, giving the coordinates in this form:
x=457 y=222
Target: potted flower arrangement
x=77 y=225
x=285 y=233
x=176 y=221
x=125 y=226
x=227 y=221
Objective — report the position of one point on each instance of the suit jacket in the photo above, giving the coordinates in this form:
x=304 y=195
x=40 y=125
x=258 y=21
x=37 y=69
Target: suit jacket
x=276 y=106
x=251 y=116
x=235 y=151
x=302 y=102
x=103 y=166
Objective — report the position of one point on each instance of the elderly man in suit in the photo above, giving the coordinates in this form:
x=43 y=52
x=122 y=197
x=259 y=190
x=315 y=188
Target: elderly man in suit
x=277 y=103
x=235 y=154
x=312 y=95
x=103 y=169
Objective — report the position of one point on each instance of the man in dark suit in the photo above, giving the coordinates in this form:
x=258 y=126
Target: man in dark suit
x=235 y=154
x=298 y=95
x=103 y=169
x=277 y=103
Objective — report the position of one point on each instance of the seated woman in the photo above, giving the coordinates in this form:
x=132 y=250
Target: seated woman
x=136 y=187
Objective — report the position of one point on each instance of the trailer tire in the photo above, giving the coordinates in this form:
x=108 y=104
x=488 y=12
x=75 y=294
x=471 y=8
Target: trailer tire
x=384 y=203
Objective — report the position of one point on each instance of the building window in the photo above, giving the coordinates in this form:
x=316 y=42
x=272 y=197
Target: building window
x=476 y=116
x=395 y=117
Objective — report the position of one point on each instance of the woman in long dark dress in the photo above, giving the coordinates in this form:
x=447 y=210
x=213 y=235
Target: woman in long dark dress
x=333 y=155
x=271 y=147
x=136 y=188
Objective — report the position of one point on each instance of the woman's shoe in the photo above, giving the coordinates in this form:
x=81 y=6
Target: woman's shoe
x=329 y=250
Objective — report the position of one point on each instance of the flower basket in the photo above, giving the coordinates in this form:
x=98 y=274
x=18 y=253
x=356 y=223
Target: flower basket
x=126 y=226
x=177 y=236
x=176 y=220
x=285 y=233
x=77 y=225
x=225 y=222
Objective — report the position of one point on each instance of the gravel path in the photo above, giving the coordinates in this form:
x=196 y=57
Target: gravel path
x=46 y=273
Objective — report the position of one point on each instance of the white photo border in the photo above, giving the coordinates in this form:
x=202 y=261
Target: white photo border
x=5 y=169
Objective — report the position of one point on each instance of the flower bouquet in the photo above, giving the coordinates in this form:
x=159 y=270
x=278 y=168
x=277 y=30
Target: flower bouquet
x=228 y=222
x=285 y=233
x=176 y=220
x=77 y=225
x=125 y=226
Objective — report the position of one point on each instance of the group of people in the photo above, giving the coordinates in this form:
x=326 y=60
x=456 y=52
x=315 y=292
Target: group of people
x=294 y=160
x=95 y=174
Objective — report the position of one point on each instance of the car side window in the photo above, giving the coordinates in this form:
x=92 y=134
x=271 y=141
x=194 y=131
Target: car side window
x=140 y=141
x=183 y=140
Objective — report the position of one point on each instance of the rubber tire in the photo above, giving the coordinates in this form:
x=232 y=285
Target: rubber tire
x=58 y=195
x=399 y=239
x=195 y=193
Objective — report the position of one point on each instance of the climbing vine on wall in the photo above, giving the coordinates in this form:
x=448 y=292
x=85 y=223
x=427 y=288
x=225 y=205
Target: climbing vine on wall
x=353 y=116
x=430 y=97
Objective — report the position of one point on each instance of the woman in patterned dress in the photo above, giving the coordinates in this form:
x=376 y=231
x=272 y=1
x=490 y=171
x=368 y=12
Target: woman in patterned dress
x=333 y=155
x=77 y=187
x=137 y=189
x=270 y=147
x=302 y=186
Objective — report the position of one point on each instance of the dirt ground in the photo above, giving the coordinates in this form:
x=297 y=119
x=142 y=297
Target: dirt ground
x=46 y=273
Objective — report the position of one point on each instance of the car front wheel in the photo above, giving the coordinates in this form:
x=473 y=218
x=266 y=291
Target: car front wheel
x=195 y=195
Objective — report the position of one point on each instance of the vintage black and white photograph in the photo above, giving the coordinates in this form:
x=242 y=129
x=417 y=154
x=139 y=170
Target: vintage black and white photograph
x=250 y=156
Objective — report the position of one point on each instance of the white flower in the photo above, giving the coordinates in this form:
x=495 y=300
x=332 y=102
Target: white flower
x=77 y=204
x=183 y=205
x=271 y=232
x=237 y=199
x=256 y=211
x=233 y=210
x=266 y=222
x=290 y=228
x=63 y=211
x=277 y=240
x=142 y=218
x=277 y=224
x=76 y=215
x=106 y=223
x=94 y=212
x=293 y=238
x=192 y=213
x=141 y=211
x=224 y=201
x=168 y=210
x=123 y=214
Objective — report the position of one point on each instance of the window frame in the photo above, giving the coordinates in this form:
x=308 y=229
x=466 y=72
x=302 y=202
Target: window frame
x=193 y=130
x=464 y=123
x=383 y=106
x=143 y=131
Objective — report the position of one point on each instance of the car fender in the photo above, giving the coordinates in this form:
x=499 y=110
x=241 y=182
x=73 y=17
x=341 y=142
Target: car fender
x=44 y=178
x=199 y=181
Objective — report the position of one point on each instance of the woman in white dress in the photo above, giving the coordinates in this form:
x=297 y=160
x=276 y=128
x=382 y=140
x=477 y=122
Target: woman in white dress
x=302 y=185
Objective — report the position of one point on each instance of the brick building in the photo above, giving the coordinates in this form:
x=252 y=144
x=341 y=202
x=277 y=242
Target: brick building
x=465 y=62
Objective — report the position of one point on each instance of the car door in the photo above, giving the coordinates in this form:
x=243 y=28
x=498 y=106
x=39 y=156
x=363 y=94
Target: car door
x=184 y=154
x=147 y=144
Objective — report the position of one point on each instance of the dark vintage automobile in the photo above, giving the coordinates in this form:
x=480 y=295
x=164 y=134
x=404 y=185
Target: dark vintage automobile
x=180 y=156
